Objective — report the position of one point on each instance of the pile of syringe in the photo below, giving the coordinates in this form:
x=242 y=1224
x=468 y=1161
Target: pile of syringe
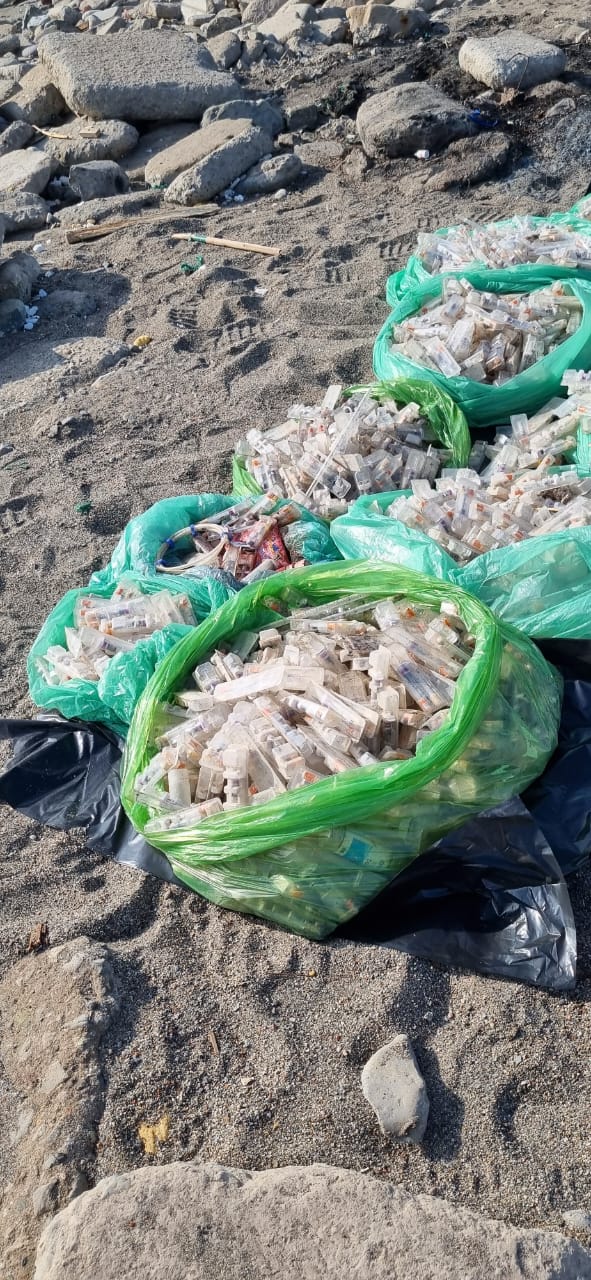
x=515 y=495
x=495 y=244
x=546 y=439
x=467 y=515
x=327 y=456
x=249 y=540
x=487 y=337
x=104 y=627
x=329 y=689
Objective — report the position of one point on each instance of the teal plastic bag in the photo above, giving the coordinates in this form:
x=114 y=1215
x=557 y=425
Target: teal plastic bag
x=311 y=858
x=112 y=700
x=415 y=272
x=486 y=405
x=137 y=550
x=542 y=586
x=140 y=542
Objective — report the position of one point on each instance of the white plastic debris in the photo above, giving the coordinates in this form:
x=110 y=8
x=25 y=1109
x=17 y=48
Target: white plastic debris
x=104 y=627
x=487 y=337
x=497 y=244
x=327 y=455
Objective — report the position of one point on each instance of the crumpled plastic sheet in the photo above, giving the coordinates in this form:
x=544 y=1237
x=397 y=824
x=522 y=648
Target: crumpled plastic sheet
x=491 y=897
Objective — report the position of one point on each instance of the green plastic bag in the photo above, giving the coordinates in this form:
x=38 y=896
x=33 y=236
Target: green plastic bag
x=140 y=542
x=443 y=415
x=288 y=861
x=542 y=586
x=111 y=701
x=415 y=272
x=485 y=405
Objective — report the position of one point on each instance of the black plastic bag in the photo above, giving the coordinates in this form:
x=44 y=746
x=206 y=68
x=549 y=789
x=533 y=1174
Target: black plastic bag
x=491 y=897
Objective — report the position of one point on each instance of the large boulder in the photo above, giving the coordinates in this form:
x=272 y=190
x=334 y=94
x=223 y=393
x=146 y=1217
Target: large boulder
x=397 y=20
x=80 y=140
x=163 y=168
x=264 y=113
x=36 y=101
x=214 y=1223
x=15 y=136
x=22 y=211
x=25 y=171
x=135 y=75
x=97 y=179
x=511 y=60
x=411 y=117
x=271 y=174
x=216 y=171
x=18 y=274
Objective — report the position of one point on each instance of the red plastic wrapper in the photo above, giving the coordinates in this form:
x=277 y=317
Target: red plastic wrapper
x=273 y=548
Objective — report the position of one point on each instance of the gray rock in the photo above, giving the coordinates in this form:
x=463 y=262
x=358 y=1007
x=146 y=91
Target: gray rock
x=259 y=10
x=393 y=1085
x=64 y=302
x=263 y=113
x=10 y=43
x=287 y=22
x=13 y=314
x=397 y=20
x=110 y=28
x=18 y=275
x=15 y=136
x=22 y=211
x=37 y=100
x=410 y=117
x=189 y=151
x=225 y=20
x=69 y=146
x=220 y=1223
x=470 y=161
x=560 y=108
x=194 y=12
x=577 y=1220
x=215 y=172
x=66 y=14
x=24 y=171
x=136 y=75
x=164 y=9
x=300 y=116
x=151 y=144
x=330 y=30
x=270 y=175
x=226 y=49
x=98 y=178
x=511 y=60
x=323 y=153
x=45 y=1198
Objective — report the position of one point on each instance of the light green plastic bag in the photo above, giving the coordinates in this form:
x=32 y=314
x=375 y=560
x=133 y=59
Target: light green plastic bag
x=288 y=860
x=542 y=586
x=485 y=405
x=111 y=701
x=415 y=272
x=443 y=415
x=142 y=537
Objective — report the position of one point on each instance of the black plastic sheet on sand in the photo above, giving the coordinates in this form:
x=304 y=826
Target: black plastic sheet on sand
x=491 y=897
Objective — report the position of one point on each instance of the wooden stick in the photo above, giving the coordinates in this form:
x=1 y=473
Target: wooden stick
x=51 y=133
x=77 y=235
x=272 y=251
